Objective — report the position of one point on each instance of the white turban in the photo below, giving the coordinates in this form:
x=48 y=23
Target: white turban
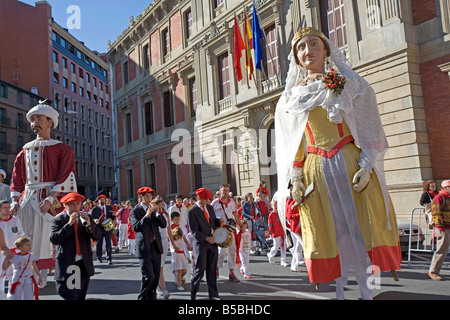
x=46 y=111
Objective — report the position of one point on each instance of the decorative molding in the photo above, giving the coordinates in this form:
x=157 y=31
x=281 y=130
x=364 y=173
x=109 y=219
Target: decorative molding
x=445 y=68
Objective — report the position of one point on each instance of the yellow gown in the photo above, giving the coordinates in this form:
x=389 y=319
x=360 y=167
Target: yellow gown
x=341 y=228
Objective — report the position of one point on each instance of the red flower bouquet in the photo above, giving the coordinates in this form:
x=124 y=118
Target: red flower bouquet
x=334 y=81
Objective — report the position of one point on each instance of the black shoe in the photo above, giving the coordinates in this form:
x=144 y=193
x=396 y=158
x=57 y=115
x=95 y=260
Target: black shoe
x=109 y=262
x=215 y=298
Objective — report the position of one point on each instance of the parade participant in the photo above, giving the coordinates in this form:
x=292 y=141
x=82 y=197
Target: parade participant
x=441 y=217
x=166 y=237
x=278 y=236
x=293 y=217
x=131 y=235
x=23 y=284
x=352 y=217
x=72 y=232
x=44 y=171
x=12 y=230
x=225 y=209
x=181 y=209
x=122 y=215
x=4 y=188
x=262 y=186
x=202 y=222
x=250 y=212
x=102 y=213
x=146 y=221
x=180 y=263
x=244 y=249
x=263 y=204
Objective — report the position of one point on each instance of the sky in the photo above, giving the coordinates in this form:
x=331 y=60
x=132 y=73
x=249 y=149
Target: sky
x=99 y=20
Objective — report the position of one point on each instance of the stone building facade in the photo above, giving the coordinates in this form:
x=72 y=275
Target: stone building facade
x=180 y=90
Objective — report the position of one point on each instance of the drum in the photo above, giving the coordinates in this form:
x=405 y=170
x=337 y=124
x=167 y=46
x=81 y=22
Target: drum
x=223 y=237
x=108 y=224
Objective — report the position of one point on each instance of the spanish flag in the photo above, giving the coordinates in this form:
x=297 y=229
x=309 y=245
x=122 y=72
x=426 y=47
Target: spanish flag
x=248 y=47
x=238 y=47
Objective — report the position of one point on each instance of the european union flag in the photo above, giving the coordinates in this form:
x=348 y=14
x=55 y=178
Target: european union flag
x=256 y=37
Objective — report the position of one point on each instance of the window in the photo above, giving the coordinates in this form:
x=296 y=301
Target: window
x=80 y=73
x=168 y=109
x=57 y=100
x=3 y=91
x=173 y=187
x=66 y=104
x=65 y=85
x=81 y=92
x=151 y=174
x=333 y=21
x=270 y=54
x=2 y=116
x=192 y=96
x=55 y=56
x=188 y=17
x=95 y=99
x=166 y=42
x=83 y=129
x=129 y=134
x=74 y=87
x=75 y=128
x=64 y=62
x=55 y=77
x=146 y=57
x=66 y=125
x=130 y=183
x=218 y=2
x=125 y=72
x=88 y=77
x=224 y=76
x=88 y=95
x=94 y=81
x=72 y=67
x=148 y=109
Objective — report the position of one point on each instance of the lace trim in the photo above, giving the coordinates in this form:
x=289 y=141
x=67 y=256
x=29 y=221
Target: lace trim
x=41 y=143
x=309 y=80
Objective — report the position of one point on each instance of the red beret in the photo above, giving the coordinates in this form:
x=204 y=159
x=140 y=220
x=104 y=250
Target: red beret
x=145 y=190
x=204 y=193
x=73 y=196
x=102 y=196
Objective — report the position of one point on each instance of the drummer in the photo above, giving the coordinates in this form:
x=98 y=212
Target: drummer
x=225 y=209
x=103 y=214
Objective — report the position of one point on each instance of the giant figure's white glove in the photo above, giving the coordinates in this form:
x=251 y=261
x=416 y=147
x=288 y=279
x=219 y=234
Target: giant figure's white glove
x=361 y=179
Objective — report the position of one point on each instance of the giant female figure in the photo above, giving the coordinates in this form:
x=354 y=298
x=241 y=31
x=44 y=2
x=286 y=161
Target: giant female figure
x=335 y=140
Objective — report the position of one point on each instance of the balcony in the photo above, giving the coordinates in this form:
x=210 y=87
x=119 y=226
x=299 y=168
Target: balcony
x=225 y=105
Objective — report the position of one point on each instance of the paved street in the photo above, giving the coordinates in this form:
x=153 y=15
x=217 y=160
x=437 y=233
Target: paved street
x=121 y=281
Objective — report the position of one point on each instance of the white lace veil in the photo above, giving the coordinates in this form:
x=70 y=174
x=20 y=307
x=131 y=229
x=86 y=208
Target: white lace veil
x=356 y=105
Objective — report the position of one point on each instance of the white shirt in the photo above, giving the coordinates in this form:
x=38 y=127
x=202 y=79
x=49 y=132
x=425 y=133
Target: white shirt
x=224 y=211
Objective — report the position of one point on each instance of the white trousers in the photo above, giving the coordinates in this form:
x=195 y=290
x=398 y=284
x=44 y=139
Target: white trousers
x=366 y=292
x=278 y=244
x=230 y=252
x=24 y=290
x=132 y=246
x=122 y=235
x=244 y=255
x=297 y=254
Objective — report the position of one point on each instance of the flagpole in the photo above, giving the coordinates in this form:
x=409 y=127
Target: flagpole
x=270 y=51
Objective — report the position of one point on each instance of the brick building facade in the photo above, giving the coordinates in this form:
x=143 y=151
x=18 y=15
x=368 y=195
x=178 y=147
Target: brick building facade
x=39 y=55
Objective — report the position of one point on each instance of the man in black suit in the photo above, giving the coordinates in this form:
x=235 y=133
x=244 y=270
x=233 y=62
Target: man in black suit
x=100 y=213
x=202 y=221
x=146 y=222
x=71 y=232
